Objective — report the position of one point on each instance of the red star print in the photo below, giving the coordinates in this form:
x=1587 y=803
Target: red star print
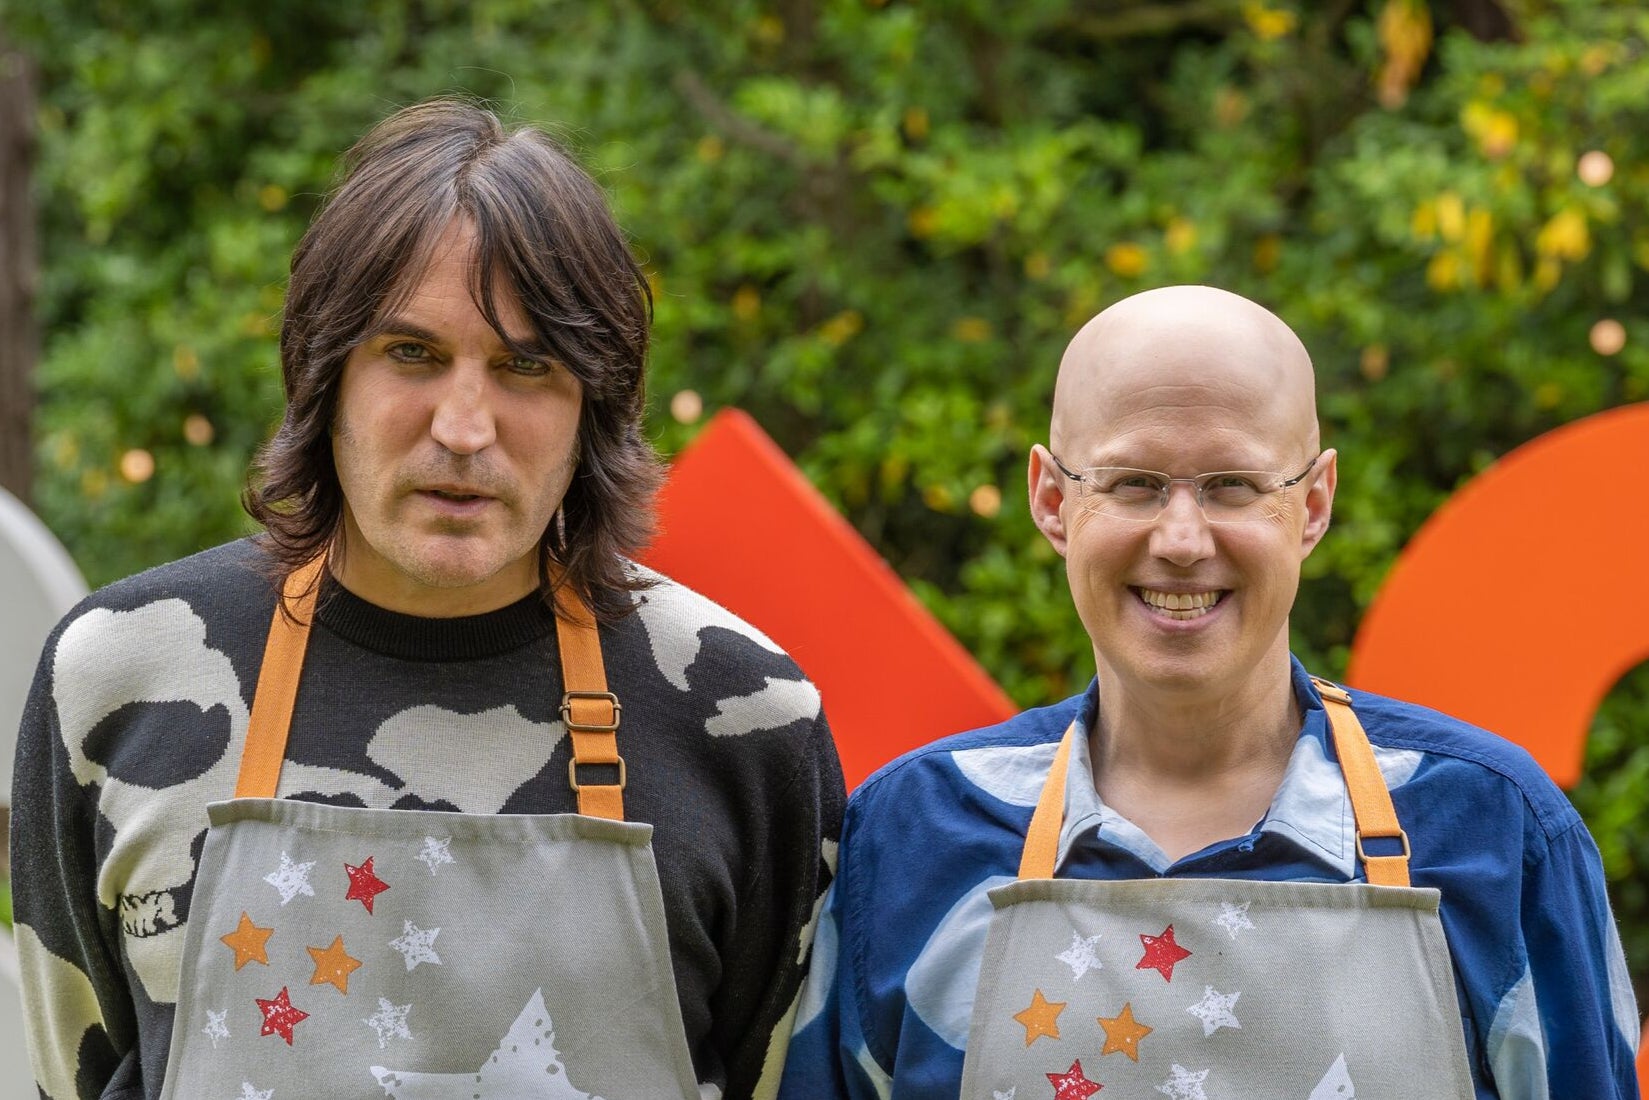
x=279 y=1017
x=1072 y=1084
x=363 y=884
x=1161 y=953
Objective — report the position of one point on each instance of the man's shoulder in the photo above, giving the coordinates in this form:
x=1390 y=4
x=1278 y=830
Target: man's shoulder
x=672 y=612
x=228 y=586
x=1460 y=756
x=1006 y=761
x=701 y=647
x=238 y=568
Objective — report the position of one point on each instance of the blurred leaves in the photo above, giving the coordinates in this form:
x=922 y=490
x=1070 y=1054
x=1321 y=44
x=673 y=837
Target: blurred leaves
x=873 y=224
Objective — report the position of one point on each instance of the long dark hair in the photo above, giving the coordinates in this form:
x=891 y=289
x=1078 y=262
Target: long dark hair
x=543 y=226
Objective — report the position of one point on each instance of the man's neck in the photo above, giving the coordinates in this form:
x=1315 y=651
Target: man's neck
x=1193 y=769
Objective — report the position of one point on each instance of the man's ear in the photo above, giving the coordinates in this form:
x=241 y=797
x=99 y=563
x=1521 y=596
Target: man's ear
x=1319 y=502
x=1047 y=488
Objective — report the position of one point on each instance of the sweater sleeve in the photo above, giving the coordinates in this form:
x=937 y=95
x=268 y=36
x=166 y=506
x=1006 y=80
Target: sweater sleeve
x=81 y=1025
x=773 y=937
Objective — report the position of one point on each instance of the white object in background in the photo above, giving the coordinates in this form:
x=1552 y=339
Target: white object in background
x=38 y=584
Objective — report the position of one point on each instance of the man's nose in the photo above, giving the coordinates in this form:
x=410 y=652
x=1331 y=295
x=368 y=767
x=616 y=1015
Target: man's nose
x=1181 y=533
x=463 y=420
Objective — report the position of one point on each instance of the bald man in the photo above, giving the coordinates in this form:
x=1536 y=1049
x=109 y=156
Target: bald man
x=1210 y=876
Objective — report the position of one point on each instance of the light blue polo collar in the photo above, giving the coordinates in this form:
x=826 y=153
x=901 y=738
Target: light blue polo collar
x=1311 y=810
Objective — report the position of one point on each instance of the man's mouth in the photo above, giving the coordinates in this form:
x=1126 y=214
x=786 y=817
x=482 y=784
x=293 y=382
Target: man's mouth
x=1179 y=605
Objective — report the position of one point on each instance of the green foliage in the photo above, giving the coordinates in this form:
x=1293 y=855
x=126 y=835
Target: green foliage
x=874 y=225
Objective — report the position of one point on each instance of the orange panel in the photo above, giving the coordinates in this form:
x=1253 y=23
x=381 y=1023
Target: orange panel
x=1523 y=600
x=739 y=523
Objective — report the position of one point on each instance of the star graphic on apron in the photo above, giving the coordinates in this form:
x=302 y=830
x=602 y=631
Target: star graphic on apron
x=1161 y=953
x=416 y=945
x=1234 y=918
x=363 y=884
x=1184 y=1084
x=1123 y=1032
x=1081 y=956
x=1040 y=1018
x=216 y=1027
x=291 y=879
x=1072 y=1084
x=1214 y=1010
x=279 y=1016
x=390 y=1022
x=249 y=1091
x=436 y=851
x=333 y=965
x=248 y=942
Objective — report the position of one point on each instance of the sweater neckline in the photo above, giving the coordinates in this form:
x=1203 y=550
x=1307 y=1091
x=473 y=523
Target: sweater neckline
x=415 y=638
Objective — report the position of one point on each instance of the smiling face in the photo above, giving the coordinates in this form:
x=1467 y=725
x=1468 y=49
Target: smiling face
x=1185 y=380
x=453 y=451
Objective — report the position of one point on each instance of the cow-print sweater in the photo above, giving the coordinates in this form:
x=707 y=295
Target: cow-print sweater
x=139 y=710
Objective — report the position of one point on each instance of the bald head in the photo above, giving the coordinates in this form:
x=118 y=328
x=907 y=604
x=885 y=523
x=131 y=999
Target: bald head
x=1190 y=347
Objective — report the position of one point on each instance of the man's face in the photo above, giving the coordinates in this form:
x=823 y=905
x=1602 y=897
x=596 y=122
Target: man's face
x=1179 y=608
x=453 y=452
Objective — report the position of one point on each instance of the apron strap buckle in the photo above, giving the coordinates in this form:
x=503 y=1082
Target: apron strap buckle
x=573 y=721
x=572 y=773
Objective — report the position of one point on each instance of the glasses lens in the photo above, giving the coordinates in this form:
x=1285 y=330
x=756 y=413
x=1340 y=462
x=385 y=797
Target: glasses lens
x=1232 y=496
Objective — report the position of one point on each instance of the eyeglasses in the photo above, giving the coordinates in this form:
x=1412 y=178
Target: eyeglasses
x=1226 y=496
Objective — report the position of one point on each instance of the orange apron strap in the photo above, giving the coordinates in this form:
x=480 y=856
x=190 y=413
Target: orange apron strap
x=1370 y=800
x=589 y=711
x=1042 y=839
x=277 y=690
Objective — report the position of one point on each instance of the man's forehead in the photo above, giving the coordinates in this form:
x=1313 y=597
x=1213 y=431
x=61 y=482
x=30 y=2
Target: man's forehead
x=1189 y=350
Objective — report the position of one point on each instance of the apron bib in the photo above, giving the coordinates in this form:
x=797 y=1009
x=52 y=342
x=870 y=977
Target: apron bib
x=336 y=951
x=1218 y=989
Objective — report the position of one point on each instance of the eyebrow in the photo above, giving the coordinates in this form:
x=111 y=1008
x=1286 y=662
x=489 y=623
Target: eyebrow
x=400 y=326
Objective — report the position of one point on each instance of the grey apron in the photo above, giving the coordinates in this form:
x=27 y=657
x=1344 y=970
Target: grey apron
x=1219 y=989
x=341 y=952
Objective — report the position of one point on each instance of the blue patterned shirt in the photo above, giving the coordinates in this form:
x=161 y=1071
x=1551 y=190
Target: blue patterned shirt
x=1545 y=999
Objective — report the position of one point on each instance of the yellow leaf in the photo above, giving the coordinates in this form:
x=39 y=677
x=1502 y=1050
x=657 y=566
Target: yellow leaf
x=1565 y=236
x=1443 y=273
x=1404 y=30
x=971 y=330
x=1125 y=259
x=1180 y=236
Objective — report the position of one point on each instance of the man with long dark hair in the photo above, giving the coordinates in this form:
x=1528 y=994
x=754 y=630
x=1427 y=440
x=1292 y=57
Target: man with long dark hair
x=369 y=804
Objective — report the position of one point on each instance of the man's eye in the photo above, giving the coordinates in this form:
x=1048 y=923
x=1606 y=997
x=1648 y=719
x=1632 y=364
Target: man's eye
x=523 y=364
x=1132 y=482
x=407 y=352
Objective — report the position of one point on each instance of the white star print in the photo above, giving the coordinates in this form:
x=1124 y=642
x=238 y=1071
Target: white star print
x=436 y=852
x=1184 y=1085
x=247 y=1092
x=417 y=945
x=1234 y=918
x=1214 y=1010
x=390 y=1022
x=216 y=1028
x=292 y=879
x=1008 y=1095
x=1080 y=957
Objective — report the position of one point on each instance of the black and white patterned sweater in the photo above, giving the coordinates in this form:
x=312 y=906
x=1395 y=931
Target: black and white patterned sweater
x=139 y=711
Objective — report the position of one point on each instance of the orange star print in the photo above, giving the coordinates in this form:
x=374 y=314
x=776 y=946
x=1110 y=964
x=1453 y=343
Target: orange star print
x=333 y=965
x=247 y=942
x=1041 y=1018
x=1123 y=1032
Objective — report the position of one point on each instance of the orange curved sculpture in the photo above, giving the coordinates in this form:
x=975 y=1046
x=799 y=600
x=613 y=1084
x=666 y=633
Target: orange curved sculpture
x=1525 y=598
